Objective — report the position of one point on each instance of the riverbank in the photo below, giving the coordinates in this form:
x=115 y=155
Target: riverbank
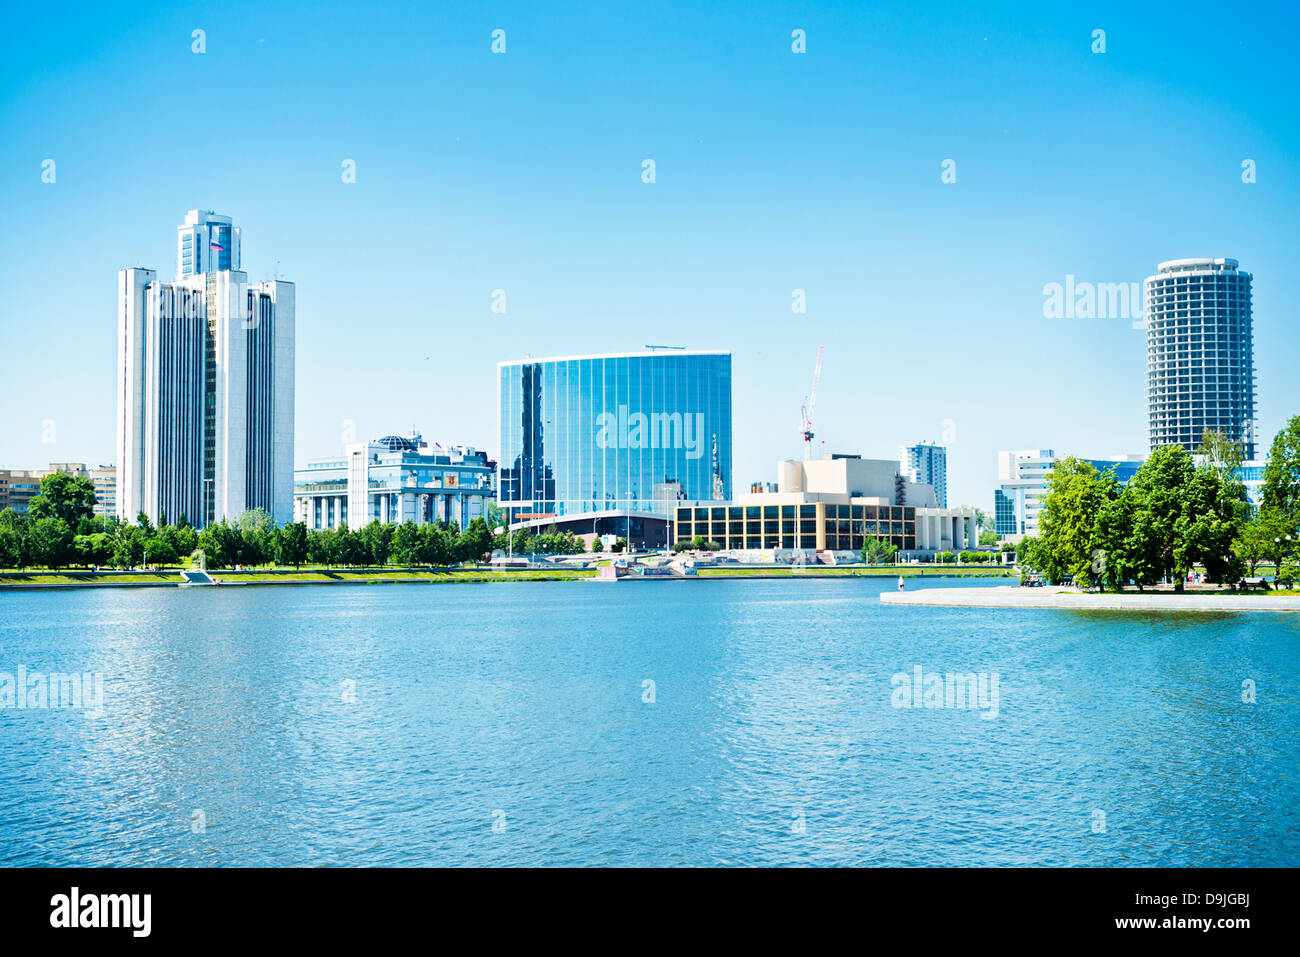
x=1014 y=596
x=172 y=579
x=858 y=571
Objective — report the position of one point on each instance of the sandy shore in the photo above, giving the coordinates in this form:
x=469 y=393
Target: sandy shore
x=1013 y=596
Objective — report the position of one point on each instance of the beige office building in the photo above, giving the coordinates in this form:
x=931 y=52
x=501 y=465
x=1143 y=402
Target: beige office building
x=832 y=504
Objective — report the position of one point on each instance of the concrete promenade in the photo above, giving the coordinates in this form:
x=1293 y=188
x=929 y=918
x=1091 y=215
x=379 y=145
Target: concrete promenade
x=1014 y=596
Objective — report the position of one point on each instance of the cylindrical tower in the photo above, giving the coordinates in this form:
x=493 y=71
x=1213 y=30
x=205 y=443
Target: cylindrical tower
x=1200 y=353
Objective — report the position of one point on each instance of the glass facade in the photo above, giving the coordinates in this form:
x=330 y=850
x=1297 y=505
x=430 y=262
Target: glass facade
x=632 y=433
x=1004 y=513
x=842 y=527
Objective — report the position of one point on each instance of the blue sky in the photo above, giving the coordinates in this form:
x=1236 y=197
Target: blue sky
x=775 y=171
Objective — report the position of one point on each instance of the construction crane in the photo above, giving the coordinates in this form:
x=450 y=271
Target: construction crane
x=806 y=427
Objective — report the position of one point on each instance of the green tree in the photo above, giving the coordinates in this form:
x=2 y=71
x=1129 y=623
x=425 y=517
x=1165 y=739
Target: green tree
x=474 y=542
x=878 y=551
x=1069 y=545
x=64 y=497
x=1221 y=454
x=349 y=548
x=1214 y=511
x=186 y=539
x=256 y=531
x=11 y=547
x=50 y=542
x=377 y=540
x=221 y=544
x=406 y=544
x=1259 y=537
x=1032 y=555
x=159 y=550
x=291 y=544
x=436 y=545
x=1157 y=546
x=93 y=549
x=1112 y=564
x=1281 y=488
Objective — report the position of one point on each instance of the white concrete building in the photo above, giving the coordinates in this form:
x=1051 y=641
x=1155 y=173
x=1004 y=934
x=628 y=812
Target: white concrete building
x=205 y=386
x=395 y=479
x=1200 y=354
x=1022 y=486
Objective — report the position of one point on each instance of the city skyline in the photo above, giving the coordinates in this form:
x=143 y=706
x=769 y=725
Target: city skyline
x=766 y=188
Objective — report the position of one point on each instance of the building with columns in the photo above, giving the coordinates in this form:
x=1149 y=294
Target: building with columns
x=831 y=505
x=395 y=479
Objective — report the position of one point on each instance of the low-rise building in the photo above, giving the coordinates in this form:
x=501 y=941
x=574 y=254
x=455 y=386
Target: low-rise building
x=395 y=479
x=832 y=504
x=1022 y=486
x=19 y=486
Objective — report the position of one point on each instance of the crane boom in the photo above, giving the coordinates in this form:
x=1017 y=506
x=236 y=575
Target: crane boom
x=806 y=428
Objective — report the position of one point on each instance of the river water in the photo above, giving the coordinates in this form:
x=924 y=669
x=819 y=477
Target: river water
x=720 y=722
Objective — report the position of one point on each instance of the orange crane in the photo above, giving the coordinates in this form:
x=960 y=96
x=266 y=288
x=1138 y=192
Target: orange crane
x=806 y=426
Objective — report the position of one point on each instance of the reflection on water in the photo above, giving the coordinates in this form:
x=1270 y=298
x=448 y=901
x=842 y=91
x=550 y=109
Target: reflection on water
x=708 y=722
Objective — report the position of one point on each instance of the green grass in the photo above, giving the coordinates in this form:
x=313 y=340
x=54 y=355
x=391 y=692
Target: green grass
x=405 y=575
x=304 y=576
x=83 y=578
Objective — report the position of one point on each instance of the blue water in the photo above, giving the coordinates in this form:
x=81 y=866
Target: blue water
x=504 y=724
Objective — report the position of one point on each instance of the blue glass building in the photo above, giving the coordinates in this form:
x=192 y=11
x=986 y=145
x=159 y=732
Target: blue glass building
x=617 y=434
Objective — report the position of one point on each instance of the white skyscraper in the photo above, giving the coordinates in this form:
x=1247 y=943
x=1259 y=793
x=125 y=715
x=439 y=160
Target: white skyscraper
x=1200 y=354
x=205 y=385
x=206 y=242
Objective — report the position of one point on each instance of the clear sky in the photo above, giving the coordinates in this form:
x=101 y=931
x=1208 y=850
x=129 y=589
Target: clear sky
x=775 y=171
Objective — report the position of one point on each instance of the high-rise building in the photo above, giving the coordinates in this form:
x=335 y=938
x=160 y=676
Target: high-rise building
x=926 y=464
x=206 y=242
x=622 y=437
x=1200 y=353
x=205 y=385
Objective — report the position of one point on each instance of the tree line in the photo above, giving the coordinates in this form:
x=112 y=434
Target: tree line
x=1178 y=513
x=60 y=530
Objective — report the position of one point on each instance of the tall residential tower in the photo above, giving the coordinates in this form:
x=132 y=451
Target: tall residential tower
x=205 y=373
x=1200 y=353
x=926 y=464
